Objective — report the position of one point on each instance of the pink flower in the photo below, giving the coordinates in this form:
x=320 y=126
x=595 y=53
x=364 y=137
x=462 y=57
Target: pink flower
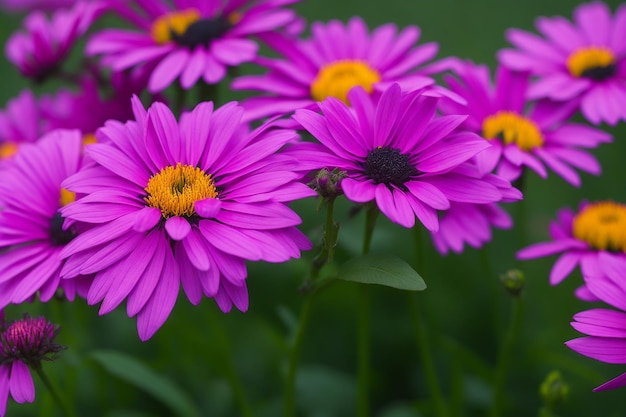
x=583 y=61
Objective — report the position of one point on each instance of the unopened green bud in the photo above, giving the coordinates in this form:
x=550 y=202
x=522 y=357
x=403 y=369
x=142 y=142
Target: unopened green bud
x=553 y=389
x=513 y=281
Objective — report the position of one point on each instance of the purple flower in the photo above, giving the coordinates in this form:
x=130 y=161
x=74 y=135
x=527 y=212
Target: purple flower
x=23 y=343
x=193 y=40
x=593 y=238
x=20 y=122
x=31 y=227
x=583 y=61
x=395 y=151
x=182 y=203
x=40 y=50
x=31 y=5
x=522 y=133
x=336 y=58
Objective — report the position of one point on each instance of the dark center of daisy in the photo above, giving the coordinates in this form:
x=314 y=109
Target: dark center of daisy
x=388 y=166
x=597 y=63
x=201 y=32
x=58 y=236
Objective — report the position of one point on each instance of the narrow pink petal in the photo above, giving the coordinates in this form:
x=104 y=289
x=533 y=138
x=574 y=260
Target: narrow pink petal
x=358 y=191
x=600 y=348
x=177 y=227
x=614 y=383
x=208 y=208
x=147 y=218
x=429 y=194
x=167 y=70
x=21 y=383
x=539 y=250
x=228 y=239
x=195 y=250
x=563 y=267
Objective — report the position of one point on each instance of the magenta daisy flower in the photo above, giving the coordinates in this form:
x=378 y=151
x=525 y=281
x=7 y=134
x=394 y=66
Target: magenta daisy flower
x=193 y=40
x=522 y=133
x=32 y=233
x=582 y=61
x=335 y=59
x=25 y=342
x=182 y=203
x=20 y=122
x=32 y=5
x=594 y=238
x=396 y=152
x=43 y=46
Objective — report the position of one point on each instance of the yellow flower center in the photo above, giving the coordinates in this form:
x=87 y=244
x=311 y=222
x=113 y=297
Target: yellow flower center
x=7 y=150
x=89 y=139
x=67 y=197
x=593 y=62
x=338 y=78
x=175 y=23
x=513 y=128
x=602 y=225
x=174 y=190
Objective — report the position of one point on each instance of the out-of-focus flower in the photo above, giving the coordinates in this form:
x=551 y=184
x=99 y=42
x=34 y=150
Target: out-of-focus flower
x=594 y=238
x=32 y=231
x=186 y=203
x=396 y=152
x=582 y=61
x=20 y=122
x=193 y=40
x=521 y=133
x=335 y=59
x=39 y=50
x=32 y=5
x=23 y=344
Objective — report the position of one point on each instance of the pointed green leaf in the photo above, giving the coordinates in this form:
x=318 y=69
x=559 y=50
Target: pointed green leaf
x=136 y=373
x=385 y=270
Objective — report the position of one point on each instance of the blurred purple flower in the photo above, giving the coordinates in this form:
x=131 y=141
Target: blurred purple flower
x=193 y=40
x=32 y=5
x=522 y=133
x=40 y=49
x=582 y=62
x=186 y=203
x=20 y=122
x=594 y=238
x=336 y=58
x=395 y=151
x=23 y=343
x=32 y=233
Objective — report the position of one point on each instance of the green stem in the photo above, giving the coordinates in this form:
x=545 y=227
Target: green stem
x=68 y=411
x=504 y=357
x=290 y=383
x=221 y=339
x=424 y=341
x=363 y=329
x=329 y=242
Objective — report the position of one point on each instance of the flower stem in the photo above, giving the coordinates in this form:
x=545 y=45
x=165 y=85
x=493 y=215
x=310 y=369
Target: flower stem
x=68 y=411
x=504 y=356
x=329 y=242
x=363 y=327
x=422 y=335
x=221 y=338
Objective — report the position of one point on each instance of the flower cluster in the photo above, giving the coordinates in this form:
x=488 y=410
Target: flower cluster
x=123 y=189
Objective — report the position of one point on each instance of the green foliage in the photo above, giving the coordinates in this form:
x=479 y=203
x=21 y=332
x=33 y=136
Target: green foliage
x=387 y=270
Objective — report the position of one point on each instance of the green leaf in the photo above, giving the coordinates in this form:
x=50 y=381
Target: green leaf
x=385 y=270
x=136 y=373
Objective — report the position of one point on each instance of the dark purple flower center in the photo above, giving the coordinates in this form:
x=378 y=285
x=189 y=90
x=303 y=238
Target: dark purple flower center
x=600 y=73
x=388 y=166
x=59 y=236
x=29 y=339
x=202 y=32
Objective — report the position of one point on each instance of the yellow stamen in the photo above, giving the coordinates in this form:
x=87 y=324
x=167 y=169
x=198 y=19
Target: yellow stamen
x=89 y=139
x=589 y=58
x=513 y=128
x=67 y=197
x=338 y=78
x=233 y=18
x=174 y=190
x=175 y=22
x=7 y=150
x=602 y=225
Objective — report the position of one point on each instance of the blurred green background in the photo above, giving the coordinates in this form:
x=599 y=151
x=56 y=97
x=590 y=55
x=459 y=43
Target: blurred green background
x=464 y=307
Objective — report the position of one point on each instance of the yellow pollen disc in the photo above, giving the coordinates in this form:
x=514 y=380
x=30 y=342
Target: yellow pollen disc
x=174 y=190
x=7 y=150
x=89 y=139
x=176 y=22
x=337 y=79
x=67 y=197
x=589 y=58
x=233 y=18
x=602 y=225
x=513 y=128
